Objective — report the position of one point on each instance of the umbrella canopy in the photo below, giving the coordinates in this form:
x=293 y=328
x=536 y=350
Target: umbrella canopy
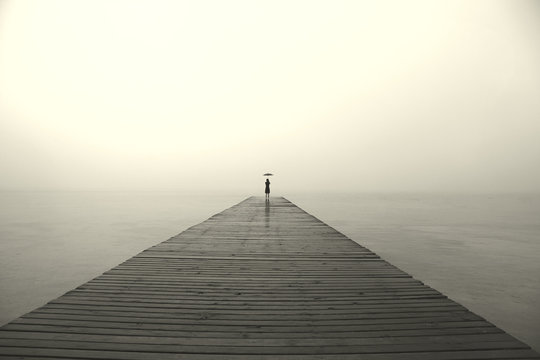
x=268 y=174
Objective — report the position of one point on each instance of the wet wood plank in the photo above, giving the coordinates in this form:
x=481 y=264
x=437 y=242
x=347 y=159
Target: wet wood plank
x=257 y=281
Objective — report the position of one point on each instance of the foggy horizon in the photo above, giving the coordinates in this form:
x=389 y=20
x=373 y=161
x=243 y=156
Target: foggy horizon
x=368 y=96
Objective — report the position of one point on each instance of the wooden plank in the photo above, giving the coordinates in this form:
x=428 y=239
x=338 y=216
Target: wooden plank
x=336 y=347
x=259 y=320
x=284 y=341
x=133 y=355
x=366 y=309
x=385 y=313
x=369 y=332
x=256 y=281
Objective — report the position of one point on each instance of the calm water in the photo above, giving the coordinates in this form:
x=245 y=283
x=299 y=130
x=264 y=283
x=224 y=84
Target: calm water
x=480 y=250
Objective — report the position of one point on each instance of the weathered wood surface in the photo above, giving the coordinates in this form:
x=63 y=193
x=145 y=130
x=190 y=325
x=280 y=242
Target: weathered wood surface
x=256 y=281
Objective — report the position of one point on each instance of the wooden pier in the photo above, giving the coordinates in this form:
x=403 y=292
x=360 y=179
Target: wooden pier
x=259 y=281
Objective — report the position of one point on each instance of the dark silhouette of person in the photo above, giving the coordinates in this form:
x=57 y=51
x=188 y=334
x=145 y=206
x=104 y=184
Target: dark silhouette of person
x=267 y=189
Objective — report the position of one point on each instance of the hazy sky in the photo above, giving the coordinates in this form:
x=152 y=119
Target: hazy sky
x=328 y=95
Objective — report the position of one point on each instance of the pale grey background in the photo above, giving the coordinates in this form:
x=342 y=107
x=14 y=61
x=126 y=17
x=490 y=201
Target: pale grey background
x=349 y=95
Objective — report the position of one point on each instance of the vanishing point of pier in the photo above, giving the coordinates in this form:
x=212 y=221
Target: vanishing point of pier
x=260 y=280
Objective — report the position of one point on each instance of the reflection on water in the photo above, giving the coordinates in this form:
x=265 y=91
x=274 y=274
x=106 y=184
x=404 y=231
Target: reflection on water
x=267 y=213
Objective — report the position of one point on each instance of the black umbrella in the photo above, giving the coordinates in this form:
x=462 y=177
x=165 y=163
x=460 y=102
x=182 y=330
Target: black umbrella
x=268 y=174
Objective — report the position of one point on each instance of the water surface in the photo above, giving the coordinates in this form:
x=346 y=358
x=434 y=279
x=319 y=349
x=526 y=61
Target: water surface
x=480 y=250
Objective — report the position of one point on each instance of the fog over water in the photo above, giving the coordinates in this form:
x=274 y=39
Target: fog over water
x=348 y=95
x=411 y=126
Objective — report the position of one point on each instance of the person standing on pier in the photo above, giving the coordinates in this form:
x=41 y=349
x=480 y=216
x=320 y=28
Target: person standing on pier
x=267 y=189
